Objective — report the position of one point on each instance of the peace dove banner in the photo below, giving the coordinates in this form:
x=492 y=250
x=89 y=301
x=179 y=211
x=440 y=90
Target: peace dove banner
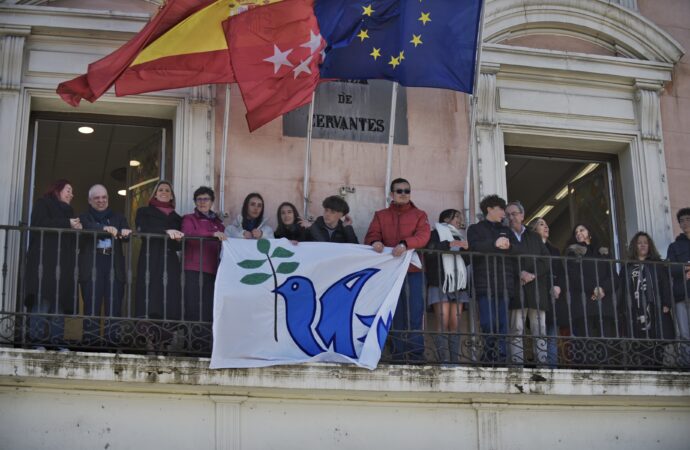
x=279 y=303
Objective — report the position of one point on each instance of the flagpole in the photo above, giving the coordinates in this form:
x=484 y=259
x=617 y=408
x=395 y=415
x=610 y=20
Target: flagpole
x=307 y=157
x=224 y=148
x=472 y=147
x=391 y=138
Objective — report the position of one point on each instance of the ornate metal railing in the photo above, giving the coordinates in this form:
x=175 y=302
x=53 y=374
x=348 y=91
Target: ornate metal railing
x=50 y=288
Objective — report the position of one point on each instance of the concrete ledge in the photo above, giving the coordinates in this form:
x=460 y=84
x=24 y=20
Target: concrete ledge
x=137 y=373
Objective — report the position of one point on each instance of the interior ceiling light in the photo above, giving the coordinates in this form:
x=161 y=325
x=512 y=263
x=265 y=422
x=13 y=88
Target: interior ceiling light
x=590 y=167
x=541 y=213
x=85 y=130
x=562 y=193
x=122 y=192
x=506 y=163
x=134 y=163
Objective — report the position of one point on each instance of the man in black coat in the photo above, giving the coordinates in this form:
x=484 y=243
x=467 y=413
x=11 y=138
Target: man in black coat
x=101 y=255
x=492 y=275
x=331 y=226
x=679 y=252
x=531 y=299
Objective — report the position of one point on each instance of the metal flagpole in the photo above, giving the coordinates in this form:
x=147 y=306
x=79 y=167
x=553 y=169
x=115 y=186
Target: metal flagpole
x=391 y=137
x=472 y=147
x=224 y=148
x=307 y=157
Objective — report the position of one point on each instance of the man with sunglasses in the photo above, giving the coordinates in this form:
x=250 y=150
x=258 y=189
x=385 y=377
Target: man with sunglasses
x=403 y=226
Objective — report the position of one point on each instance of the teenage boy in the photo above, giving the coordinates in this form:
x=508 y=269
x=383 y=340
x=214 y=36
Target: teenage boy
x=679 y=252
x=335 y=224
x=403 y=226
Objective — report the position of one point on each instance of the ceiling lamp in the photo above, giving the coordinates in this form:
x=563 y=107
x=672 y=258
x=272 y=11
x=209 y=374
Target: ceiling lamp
x=122 y=192
x=134 y=163
x=85 y=130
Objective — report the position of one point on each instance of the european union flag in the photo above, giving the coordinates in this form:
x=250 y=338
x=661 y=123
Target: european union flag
x=426 y=43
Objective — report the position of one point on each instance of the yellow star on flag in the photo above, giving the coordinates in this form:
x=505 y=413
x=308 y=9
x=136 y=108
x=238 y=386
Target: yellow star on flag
x=368 y=11
x=363 y=34
x=376 y=53
x=395 y=62
x=424 y=18
x=416 y=39
x=402 y=55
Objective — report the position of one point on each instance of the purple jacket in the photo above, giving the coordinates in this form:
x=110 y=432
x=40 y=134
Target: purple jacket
x=197 y=225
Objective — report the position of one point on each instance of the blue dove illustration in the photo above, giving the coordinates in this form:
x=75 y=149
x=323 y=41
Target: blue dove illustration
x=337 y=308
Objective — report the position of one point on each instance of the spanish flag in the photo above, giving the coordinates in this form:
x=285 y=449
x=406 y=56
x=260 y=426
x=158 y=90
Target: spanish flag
x=183 y=45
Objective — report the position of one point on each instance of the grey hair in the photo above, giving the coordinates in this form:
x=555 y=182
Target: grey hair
x=517 y=204
x=92 y=189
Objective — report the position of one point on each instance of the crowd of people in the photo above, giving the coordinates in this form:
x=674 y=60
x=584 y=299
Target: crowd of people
x=508 y=269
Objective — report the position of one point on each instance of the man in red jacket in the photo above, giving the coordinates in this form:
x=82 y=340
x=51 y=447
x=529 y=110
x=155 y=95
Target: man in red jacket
x=403 y=226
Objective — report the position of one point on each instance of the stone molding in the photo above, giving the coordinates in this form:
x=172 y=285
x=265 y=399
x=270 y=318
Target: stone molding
x=606 y=23
x=647 y=96
x=11 y=56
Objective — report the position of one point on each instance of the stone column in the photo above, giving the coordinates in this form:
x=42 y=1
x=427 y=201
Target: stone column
x=490 y=159
x=194 y=157
x=653 y=216
x=12 y=40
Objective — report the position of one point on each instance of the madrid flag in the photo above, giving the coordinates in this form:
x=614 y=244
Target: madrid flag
x=279 y=303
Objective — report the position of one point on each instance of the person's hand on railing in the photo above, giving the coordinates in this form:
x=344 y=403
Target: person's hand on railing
x=502 y=243
x=598 y=293
x=459 y=244
x=526 y=277
x=110 y=230
x=125 y=232
x=555 y=292
x=220 y=235
x=687 y=272
x=175 y=234
x=75 y=224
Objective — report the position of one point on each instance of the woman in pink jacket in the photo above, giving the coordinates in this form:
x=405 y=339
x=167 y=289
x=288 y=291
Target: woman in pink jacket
x=200 y=265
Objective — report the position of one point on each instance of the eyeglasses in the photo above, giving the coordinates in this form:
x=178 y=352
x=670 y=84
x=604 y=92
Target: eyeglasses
x=402 y=191
x=203 y=199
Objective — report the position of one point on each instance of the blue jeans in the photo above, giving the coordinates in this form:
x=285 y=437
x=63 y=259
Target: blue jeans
x=493 y=319
x=409 y=315
x=552 y=345
x=92 y=303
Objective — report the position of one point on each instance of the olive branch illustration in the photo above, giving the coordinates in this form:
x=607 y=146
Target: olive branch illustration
x=264 y=246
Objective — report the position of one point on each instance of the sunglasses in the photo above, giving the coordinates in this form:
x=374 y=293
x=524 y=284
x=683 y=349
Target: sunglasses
x=402 y=191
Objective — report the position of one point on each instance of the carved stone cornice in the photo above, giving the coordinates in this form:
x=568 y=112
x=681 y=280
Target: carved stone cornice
x=486 y=98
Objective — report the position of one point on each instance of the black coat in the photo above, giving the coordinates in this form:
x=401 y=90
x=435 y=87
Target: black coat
x=433 y=265
x=162 y=256
x=294 y=232
x=52 y=213
x=679 y=252
x=558 y=279
x=86 y=248
x=490 y=274
x=583 y=276
x=534 y=258
x=642 y=314
x=342 y=234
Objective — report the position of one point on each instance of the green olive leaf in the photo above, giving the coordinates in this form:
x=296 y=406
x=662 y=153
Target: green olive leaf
x=255 y=278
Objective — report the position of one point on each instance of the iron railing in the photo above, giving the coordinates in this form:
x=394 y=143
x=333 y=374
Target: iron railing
x=53 y=292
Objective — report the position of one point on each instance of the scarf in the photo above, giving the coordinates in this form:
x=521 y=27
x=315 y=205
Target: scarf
x=250 y=224
x=165 y=207
x=453 y=266
x=211 y=215
x=101 y=216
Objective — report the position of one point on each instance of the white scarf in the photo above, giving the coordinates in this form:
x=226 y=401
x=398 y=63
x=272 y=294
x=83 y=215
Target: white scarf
x=453 y=266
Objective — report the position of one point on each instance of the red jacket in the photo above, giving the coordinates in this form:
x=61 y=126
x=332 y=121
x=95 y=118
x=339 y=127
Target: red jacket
x=198 y=225
x=400 y=223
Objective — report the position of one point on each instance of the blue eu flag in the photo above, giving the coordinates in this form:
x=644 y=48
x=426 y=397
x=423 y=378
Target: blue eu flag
x=426 y=43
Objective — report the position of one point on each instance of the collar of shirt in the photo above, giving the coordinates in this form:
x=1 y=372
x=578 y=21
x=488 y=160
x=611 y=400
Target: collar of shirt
x=518 y=236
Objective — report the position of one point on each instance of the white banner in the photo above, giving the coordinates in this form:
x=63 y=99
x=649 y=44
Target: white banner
x=279 y=303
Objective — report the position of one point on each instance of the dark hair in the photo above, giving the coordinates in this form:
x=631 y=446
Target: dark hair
x=632 y=247
x=593 y=241
x=336 y=203
x=204 y=190
x=172 y=192
x=282 y=229
x=491 y=201
x=399 y=181
x=682 y=212
x=447 y=214
x=245 y=206
x=55 y=188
